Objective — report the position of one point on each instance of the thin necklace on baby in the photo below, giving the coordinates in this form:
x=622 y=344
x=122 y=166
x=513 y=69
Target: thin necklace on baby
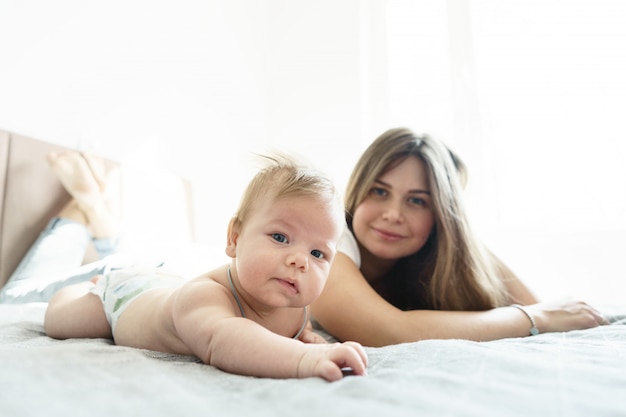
x=234 y=291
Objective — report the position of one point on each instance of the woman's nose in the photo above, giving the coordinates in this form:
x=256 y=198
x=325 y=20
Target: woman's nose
x=392 y=212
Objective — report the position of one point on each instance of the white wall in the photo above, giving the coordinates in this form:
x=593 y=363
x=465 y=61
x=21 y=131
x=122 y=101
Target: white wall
x=553 y=100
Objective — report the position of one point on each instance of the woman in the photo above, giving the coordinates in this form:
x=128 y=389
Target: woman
x=409 y=267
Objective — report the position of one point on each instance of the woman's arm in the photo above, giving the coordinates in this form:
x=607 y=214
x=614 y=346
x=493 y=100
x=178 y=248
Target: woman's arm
x=350 y=309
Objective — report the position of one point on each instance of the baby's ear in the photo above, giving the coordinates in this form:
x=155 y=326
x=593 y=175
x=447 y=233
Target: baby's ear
x=234 y=227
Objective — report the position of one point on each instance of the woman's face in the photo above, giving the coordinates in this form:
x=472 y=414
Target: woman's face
x=396 y=217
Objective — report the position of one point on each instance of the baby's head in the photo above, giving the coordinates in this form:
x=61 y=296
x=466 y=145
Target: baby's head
x=285 y=232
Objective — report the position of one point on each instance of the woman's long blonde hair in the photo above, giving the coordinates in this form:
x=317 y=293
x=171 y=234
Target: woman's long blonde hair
x=453 y=271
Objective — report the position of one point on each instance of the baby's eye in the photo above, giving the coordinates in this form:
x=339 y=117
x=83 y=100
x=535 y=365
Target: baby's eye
x=317 y=253
x=279 y=237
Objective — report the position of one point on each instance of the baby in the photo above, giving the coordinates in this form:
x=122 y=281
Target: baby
x=248 y=317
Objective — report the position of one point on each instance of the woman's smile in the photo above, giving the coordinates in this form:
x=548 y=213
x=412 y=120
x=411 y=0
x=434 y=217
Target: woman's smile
x=387 y=235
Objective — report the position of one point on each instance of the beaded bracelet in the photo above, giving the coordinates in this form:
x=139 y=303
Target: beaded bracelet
x=533 y=326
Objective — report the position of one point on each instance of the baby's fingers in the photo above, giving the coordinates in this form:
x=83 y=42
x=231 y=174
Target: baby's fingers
x=360 y=350
x=350 y=357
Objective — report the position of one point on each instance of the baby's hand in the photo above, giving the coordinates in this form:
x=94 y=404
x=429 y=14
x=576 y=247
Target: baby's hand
x=309 y=336
x=327 y=361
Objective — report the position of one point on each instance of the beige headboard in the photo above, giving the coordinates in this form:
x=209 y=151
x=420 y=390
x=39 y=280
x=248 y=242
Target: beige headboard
x=30 y=195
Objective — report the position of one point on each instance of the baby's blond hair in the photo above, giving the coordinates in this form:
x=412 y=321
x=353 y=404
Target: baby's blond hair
x=283 y=177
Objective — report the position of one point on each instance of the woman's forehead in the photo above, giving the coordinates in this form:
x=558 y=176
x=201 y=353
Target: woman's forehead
x=409 y=169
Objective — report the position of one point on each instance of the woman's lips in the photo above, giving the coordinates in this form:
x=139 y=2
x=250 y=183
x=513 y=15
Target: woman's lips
x=386 y=235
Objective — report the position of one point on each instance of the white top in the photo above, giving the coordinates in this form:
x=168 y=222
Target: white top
x=348 y=246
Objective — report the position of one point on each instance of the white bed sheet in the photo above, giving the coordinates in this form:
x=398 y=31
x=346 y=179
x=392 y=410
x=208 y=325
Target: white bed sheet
x=580 y=373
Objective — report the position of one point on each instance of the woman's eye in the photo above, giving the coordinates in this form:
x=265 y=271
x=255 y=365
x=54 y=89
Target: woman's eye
x=417 y=201
x=316 y=253
x=377 y=191
x=279 y=237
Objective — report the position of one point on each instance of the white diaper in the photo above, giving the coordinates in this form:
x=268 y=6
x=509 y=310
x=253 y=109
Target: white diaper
x=118 y=289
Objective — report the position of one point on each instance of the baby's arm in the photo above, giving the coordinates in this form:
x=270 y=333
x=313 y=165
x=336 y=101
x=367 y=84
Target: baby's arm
x=206 y=321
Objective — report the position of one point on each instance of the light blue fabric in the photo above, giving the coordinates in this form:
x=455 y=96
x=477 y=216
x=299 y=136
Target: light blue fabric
x=54 y=261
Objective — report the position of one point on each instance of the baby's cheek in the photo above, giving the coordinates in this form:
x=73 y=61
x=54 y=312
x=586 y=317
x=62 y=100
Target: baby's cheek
x=311 y=289
x=319 y=284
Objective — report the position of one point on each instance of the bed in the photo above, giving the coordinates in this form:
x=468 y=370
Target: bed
x=578 y=373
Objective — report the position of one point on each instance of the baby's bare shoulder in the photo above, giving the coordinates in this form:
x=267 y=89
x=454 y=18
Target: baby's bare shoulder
x=204 y=288
x=203 y=299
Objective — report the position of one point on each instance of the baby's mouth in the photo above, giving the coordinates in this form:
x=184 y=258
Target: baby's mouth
x=290 y=285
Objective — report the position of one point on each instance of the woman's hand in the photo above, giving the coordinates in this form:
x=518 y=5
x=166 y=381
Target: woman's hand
x=565 y=315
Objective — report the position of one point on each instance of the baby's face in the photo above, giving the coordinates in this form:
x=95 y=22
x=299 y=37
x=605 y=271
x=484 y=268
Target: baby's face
x=285 y=249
